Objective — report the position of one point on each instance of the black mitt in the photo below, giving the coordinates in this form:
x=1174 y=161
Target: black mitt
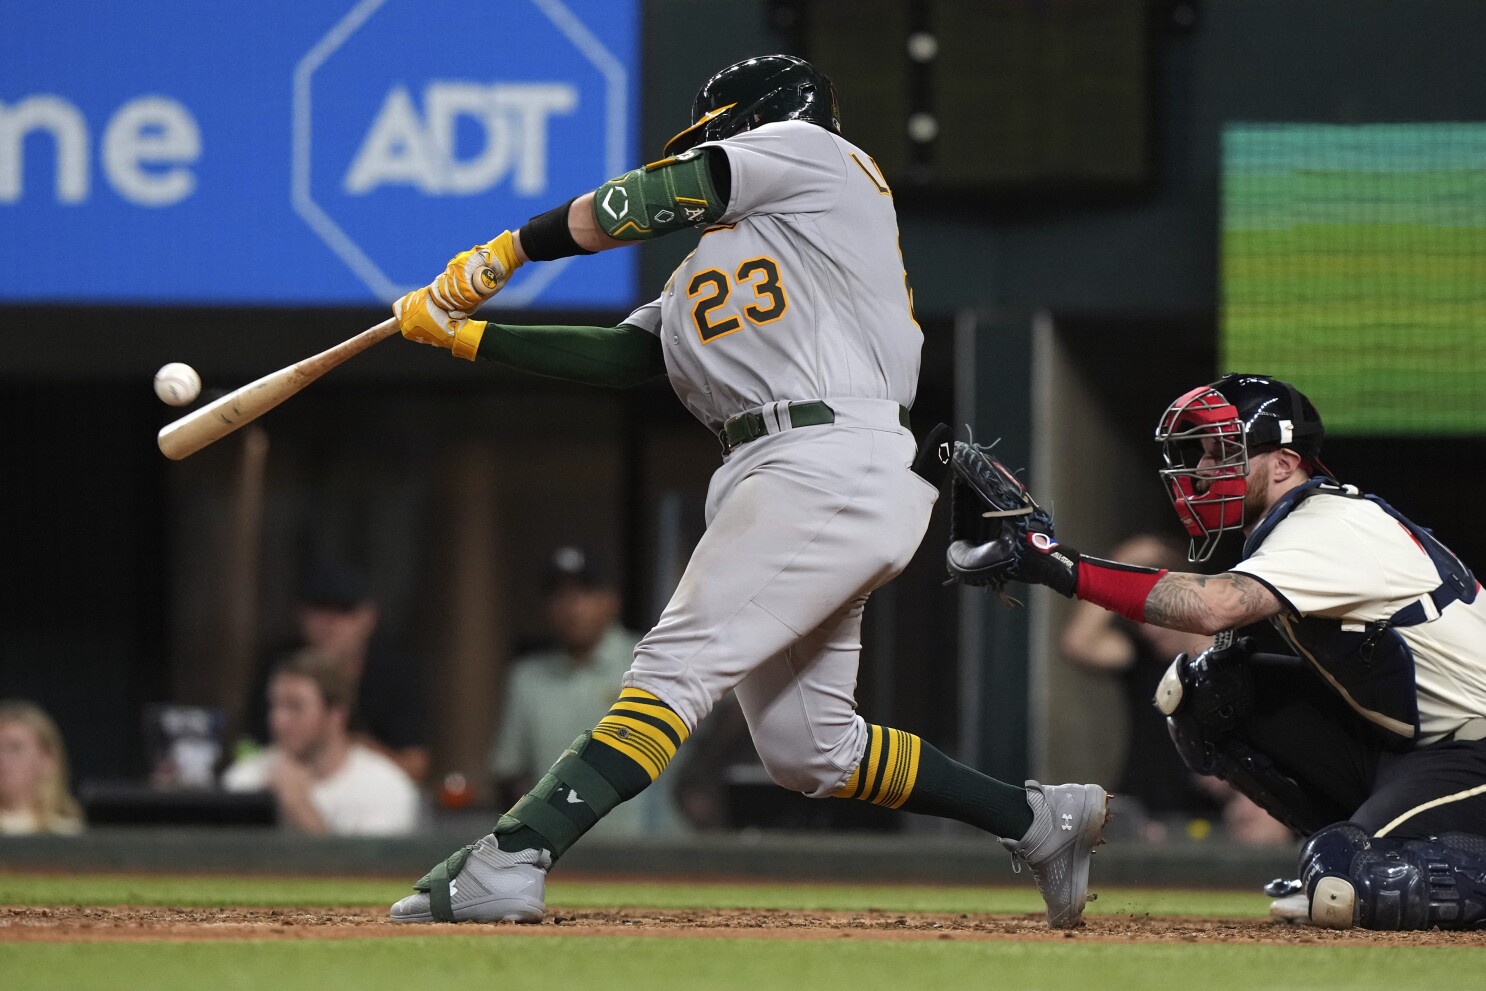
x=991 y=516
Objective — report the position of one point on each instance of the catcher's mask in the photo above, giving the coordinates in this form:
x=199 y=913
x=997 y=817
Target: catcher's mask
x=758 y=91
x=1206 y=438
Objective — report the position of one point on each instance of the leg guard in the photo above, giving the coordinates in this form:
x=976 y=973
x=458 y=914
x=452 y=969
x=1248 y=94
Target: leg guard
x=1216 y=687
x=569 y=799
x=1255 y=774
x=1389 y=884
x=1205 y=700
x=1326 y=874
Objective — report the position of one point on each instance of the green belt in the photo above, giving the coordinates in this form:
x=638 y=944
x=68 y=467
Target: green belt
x=744 y=427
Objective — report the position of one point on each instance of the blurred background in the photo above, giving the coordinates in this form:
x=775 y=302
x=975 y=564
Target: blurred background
x=1103 y=203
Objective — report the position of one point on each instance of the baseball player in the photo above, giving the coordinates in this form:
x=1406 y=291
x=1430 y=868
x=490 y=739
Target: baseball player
x=1371 y=739
x=789 y=333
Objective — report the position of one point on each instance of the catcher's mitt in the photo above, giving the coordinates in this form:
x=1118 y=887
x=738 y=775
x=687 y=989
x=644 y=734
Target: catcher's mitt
x=991 y=515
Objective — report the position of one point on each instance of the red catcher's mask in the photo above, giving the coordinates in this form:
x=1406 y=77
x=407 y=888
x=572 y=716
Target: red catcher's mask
x=1207 y=466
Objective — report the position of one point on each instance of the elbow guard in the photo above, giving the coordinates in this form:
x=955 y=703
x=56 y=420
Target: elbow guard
x=665 y=196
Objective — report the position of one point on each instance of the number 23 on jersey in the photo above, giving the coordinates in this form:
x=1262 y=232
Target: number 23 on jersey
x=711 y=290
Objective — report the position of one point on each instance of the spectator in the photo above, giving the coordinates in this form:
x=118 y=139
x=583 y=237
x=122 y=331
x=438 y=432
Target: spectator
x=556 y=693
x=1154 y=784
x=337 y=615
x=1243 y=821
x=33 y=774
x=325 y=782
x=716 y=753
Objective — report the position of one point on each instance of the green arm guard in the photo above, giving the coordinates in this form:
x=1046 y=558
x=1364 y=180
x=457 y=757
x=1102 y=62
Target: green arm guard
x=617 y=357
x=670 y=195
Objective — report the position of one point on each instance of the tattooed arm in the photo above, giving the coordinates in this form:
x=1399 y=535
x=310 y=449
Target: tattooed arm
x=1208 y=603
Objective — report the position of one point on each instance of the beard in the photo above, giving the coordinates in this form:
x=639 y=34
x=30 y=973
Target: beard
x=1256 y=495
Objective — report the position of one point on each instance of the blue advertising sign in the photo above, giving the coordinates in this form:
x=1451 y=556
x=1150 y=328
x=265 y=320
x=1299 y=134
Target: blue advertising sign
x=290 y=153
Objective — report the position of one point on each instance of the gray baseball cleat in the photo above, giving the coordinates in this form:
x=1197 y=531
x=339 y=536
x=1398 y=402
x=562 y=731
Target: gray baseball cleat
x=480 y=883
x=1067 y=824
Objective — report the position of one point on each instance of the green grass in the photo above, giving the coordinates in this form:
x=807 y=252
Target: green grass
x=656 y=964
x=192 y=891
x=105 y=889
x=513 y=959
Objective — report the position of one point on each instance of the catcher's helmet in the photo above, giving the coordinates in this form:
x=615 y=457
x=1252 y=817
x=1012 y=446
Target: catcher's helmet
x=758 y=91
x=1207 y=436
x=1276 y=414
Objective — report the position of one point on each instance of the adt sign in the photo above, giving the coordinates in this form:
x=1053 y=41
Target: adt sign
x=286 y=153
x=403 y=147
x=435 y=145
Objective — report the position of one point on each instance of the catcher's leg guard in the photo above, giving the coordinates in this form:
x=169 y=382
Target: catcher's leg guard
x=1326 y=873
x=1390 y=884
x=1215 y=688
x=1205 y=700
x=1255 y=774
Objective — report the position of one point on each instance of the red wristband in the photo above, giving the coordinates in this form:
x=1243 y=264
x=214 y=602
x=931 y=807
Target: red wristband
x=1117 y=587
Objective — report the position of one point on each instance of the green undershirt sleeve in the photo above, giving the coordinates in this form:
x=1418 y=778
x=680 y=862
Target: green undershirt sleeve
x=616 y=357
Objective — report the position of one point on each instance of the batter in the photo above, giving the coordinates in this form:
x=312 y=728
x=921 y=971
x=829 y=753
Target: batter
x=789 y=333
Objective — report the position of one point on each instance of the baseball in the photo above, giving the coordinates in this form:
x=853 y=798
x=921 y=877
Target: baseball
x=177 y=384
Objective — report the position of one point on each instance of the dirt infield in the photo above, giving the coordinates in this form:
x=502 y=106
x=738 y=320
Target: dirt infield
x=130 y=924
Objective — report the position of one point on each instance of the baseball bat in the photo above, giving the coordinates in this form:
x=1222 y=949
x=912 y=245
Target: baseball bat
x=184 y=437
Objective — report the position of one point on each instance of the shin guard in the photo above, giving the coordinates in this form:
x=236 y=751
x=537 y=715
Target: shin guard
x=1205 y=700
x=613 y=763
x=1384 y=883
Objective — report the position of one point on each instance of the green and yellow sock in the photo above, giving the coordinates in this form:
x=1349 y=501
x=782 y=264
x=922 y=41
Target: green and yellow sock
x=889 y=768
x=611 y=763
x=901 y=771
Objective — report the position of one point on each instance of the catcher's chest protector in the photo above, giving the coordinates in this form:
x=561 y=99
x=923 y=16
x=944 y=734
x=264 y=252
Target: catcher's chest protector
x=1371 y=662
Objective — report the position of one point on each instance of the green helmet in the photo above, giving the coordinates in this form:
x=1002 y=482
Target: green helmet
x=759 y=91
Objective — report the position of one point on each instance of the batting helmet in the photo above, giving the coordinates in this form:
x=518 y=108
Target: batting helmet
x=758 y=91
x=1207 y=436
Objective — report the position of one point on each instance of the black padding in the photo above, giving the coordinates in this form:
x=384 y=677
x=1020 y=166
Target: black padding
x=721 y=172
x=548 y=236
x=1256 y=775
x=1329 y=852
x=1438 y=883
x=1217 y=685
x=1217 y=696
x=932 y=460
x=1392 y=892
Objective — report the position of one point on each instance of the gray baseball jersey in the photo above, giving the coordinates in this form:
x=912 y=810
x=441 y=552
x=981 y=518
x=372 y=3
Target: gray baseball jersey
x=797 y=294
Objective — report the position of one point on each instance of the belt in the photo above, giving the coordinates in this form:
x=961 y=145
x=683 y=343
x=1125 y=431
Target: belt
x=755 y=423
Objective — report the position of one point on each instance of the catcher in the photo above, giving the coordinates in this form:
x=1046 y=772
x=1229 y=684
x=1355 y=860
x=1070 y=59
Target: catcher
x=789 y=333
x=1371 y=739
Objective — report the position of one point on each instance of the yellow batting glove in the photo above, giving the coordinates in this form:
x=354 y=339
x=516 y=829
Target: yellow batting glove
x=424 y=321
x=473 y=276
